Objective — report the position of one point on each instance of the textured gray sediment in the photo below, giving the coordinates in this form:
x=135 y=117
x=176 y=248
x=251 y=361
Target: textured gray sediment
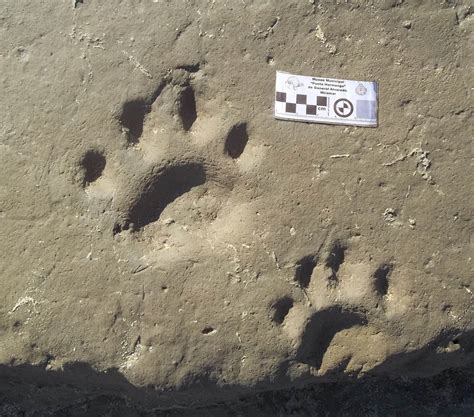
x=165 y=242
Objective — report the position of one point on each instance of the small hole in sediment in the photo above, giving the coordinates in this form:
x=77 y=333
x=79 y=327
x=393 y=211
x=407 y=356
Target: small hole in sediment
x=208 y=330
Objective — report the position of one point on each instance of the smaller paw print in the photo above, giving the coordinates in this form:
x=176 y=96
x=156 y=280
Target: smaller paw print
x=339 y=297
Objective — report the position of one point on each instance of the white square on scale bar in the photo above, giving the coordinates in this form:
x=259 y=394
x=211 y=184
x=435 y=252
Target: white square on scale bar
x=325 y=100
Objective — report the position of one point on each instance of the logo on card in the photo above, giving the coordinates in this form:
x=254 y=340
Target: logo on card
x=293 y=83
x=361 y=90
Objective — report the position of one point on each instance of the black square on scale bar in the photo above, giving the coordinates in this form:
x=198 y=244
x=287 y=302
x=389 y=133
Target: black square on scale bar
x=290 y=108
x=280 y=96
x=301 y=99
x=322 y=101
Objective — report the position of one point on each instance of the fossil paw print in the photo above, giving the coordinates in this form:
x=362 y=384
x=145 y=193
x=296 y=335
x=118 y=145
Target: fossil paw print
x=180 y=164
x=338 y=296
x=186 y=160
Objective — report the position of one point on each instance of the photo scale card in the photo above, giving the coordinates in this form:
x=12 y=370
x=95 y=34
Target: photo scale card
x=325 y=100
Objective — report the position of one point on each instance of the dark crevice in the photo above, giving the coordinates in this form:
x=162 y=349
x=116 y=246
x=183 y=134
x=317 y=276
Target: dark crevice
x=281 y=308
x=381 y=279
x=236 y=140
x=190 y=67
x=334 y=262
x=336 y=256
x=134 y=112
x=462 y=15
x=138 y=341
x=162 y=189
x=304 y=270
x=93 y=163
x=47 y=359
x=321 y=329
x=187 y=107
x=207 y=330
x=133 y=116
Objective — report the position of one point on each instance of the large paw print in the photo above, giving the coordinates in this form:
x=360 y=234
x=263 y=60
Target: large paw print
x=180 y=164
x=339 y=296
x=183 y=163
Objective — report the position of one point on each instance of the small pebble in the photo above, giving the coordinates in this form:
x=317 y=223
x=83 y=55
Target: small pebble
x=390 y=215
x=332 y=48
x=406 y=24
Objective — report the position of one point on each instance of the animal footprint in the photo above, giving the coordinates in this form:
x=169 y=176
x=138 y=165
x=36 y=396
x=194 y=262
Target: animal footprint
x=180 y=163
x=342 y=299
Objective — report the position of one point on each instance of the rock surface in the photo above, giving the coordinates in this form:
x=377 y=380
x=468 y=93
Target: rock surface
x=161 y=229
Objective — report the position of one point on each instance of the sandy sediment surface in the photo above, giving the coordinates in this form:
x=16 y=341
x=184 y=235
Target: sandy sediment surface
x=164 y=238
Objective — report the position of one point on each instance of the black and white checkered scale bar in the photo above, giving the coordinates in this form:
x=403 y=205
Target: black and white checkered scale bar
x=302 y=99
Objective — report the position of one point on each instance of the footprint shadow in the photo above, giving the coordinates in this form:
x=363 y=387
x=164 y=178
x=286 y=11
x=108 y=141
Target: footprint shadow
x=321 y=329
x=160 y=190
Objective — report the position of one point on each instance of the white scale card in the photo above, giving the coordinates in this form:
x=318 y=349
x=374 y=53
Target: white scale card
x=325 y=100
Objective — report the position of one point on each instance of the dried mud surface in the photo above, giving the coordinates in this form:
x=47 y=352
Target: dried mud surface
x=167 y=243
